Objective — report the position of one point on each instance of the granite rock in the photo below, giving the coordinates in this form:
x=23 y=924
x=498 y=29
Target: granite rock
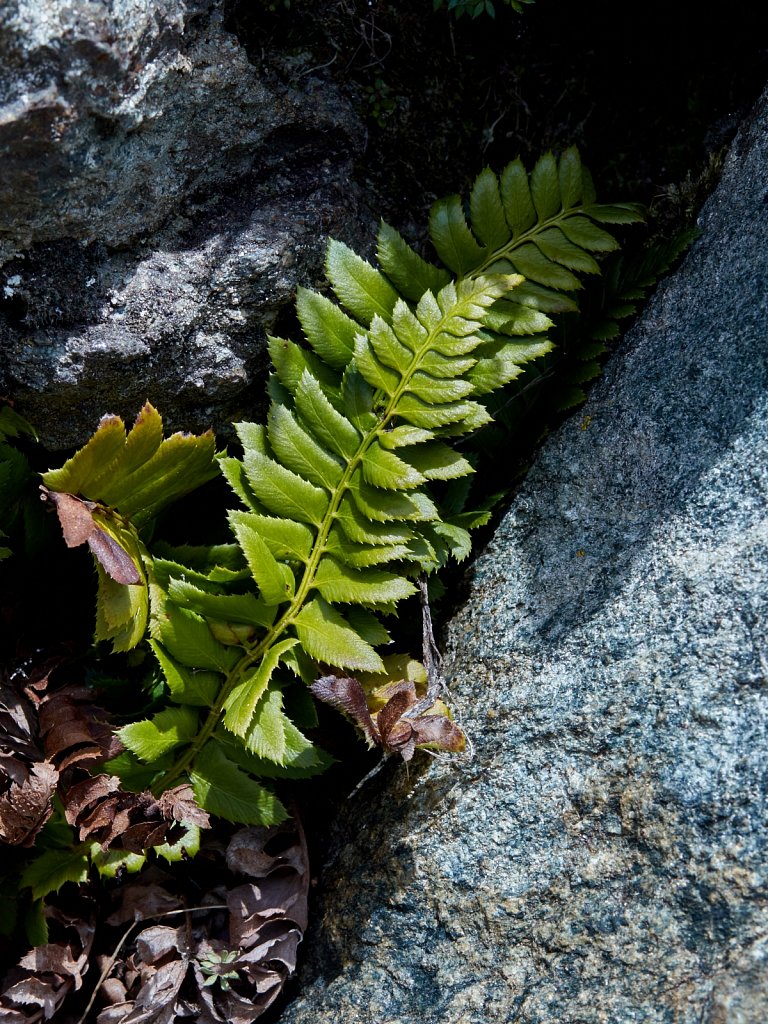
x=603 y=855
x=161 y=198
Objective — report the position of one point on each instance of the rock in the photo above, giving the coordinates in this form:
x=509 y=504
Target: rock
x=161 y=198
x=603 y=856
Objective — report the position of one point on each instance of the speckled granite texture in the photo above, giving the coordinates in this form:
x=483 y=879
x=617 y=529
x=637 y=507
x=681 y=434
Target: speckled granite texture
x=160 y=198
x=604 y=855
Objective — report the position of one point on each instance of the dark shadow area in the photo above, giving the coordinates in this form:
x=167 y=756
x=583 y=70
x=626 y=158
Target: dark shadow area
x=646 y=90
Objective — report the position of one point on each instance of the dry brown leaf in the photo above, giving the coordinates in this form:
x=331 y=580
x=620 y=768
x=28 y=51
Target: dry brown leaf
x=76 y=736
x=26 y=806
x=225 y=959
x=252 y=906
x=106 y=814
x=158 y=941
x=156 y=1000
x=259 y=851
x=397 y=733
x=53 y=958
x=179 y=804
x=48 y=741
x=113 y=1014
x=18 y=724
x=347 y=695
x=113 y=991
x=438 y=732
x=41 y=997
x=36 y=988
x=81 y=522
x=86 y=794
x=42 y=735
x=231 y=1008
x=27 y=781
x=74 y=730
x=217 y=966
x=145 y=899
x=399 y=727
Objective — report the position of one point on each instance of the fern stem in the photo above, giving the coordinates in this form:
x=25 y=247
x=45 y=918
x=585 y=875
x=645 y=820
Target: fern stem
x=254 y=655
x=214 y=714
x=514 y=243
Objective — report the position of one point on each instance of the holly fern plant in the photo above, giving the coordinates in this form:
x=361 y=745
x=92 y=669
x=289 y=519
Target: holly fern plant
x=345 y=494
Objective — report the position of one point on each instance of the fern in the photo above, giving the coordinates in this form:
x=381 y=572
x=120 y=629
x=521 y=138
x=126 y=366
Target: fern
x=524 y=411
x=477 y=7
x=127 y=479
x=339 y=489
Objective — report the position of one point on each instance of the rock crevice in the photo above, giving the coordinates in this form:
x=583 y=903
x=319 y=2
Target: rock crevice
x=603 y=856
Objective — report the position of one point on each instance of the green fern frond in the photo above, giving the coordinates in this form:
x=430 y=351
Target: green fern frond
x=126 y=479
x=544 y=226
x=138 y=473
x=339 y=508
x=338 y=516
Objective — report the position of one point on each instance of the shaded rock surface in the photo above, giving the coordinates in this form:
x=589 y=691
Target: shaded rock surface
x=603 y=857
x=160 y=199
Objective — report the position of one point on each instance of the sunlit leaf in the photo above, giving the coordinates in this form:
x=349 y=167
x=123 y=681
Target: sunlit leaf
x=222 y=788
x=153 y=737
x=48 y=871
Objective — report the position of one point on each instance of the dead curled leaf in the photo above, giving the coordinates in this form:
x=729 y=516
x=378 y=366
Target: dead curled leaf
x=84 y=522
x=26 y=804
x=27 y=781
x=74 y=730
x=18 y=727
x=391 y=728
x=217 y=966
x=36 y=988
x=49 y=741
x=106 y=814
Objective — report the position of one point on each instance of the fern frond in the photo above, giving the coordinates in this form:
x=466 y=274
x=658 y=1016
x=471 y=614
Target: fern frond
x=137 y=473
x=339 y=517
x=542 y=225
x=339 y=513
x=126 y=479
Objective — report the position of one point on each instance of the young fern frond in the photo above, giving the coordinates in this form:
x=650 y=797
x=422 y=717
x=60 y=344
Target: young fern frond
x=339 y=516
x=544 y=226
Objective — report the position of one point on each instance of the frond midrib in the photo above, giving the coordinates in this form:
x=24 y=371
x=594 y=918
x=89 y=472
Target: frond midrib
x=254 y=655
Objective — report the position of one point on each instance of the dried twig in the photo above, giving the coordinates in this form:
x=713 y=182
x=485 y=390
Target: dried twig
x=432 y=658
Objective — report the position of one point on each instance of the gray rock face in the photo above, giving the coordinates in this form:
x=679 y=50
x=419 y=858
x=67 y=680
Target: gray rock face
x=603 y=857
x=160 y=198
